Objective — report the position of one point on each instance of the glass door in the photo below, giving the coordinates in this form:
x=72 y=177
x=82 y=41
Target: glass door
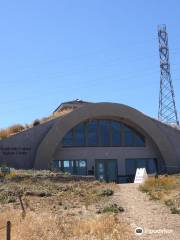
x=106 y=170
x=100 y=170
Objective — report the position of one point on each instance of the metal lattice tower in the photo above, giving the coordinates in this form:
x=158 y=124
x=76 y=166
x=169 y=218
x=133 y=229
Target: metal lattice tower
x=167 y=108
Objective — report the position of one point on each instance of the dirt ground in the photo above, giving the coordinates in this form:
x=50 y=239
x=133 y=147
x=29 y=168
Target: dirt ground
x=153 y=217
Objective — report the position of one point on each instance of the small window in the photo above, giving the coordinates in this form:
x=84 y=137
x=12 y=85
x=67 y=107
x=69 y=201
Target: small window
x=82 y=163
x=67 y=164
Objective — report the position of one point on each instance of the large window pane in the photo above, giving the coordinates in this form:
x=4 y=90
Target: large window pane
x=92 y=133
x=138 y=140
x=151 y=166
x=104 y=132
x=80 y=135
x=130 y=166
x=81 y=167
x=68 y=139
x=55 y=164
x=116 y=133
x=141 y=163
x=128 y=137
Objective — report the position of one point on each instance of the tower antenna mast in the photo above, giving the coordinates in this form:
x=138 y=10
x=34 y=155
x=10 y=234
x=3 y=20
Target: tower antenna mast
x=167 y=108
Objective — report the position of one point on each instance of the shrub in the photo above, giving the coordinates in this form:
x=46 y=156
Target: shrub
x=7 y=197
x=175 y=210
x=106 y=192
x=16 y=128
x=155 y=195
x=158 y=184
x=169 y=202
x=36 y=122
x=38 y=194
x=114 y=208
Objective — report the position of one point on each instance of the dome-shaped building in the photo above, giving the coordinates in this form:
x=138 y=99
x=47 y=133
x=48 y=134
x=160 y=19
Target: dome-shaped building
x=108 y=140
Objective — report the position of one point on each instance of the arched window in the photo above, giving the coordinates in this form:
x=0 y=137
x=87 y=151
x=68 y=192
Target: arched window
x=103 y=133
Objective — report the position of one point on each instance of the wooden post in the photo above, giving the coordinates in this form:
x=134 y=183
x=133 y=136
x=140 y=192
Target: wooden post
x=21 y=202
x=8 y=230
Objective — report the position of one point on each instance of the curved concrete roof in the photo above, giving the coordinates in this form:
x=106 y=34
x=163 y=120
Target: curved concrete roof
x=49 y=144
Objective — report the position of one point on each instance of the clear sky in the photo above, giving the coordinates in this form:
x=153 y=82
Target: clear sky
x=53 y=51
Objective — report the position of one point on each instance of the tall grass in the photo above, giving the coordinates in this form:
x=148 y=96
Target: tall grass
x=4 y=133
x=164 y=188
x=47 y=226
x=16 y=128
x=157 y=184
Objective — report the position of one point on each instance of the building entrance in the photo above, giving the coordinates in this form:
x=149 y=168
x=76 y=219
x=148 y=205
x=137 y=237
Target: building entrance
x=106 y=170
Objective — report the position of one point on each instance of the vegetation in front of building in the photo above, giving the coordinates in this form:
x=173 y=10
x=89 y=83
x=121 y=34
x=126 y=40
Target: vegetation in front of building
x=114 y=208
x=164 y=188
x=106 y=192
x=59 y=210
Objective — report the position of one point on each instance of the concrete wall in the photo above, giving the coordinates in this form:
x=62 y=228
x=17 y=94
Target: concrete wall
x=19 y=150
x=173 y=135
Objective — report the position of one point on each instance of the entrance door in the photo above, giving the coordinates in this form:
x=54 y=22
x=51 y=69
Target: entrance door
x=106 y=170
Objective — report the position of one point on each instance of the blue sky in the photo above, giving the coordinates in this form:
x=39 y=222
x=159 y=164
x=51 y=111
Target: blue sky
x=95 y=50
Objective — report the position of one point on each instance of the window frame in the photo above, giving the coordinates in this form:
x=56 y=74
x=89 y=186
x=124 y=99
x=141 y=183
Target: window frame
x=122 y=133
x=74 y=166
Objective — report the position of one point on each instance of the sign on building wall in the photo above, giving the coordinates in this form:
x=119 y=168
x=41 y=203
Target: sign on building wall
x=15 y=150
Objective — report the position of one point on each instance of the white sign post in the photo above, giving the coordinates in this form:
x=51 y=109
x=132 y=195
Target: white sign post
x=141 y=175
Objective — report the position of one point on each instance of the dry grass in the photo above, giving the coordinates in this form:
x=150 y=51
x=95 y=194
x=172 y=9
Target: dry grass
x=67 y=211
x=16 y=128
x=164 y=188
x=103 y=227
x=47 y=226
x=158 y=184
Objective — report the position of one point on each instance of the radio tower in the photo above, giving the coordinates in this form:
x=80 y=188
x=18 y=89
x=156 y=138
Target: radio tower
x=167 y=108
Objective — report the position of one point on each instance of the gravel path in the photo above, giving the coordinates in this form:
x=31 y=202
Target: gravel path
x=150 y=215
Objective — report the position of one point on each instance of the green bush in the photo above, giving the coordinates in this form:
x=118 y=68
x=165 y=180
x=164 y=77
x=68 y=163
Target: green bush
x=114 y=208
x=106 y=192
